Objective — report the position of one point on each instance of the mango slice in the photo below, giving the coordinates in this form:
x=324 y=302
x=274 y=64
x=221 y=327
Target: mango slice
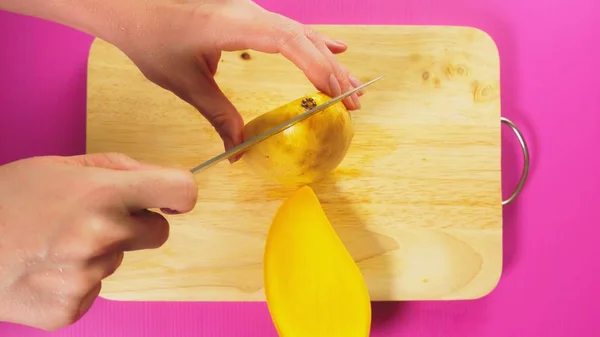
x=305 y=152
x=313 y=286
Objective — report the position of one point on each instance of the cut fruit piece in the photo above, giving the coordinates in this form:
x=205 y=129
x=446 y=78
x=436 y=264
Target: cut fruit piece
x=313 y=286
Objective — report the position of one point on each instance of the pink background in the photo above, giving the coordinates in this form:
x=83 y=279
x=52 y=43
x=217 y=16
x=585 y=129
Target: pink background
x=550 y=59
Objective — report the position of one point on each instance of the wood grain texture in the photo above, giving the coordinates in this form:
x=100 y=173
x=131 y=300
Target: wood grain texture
x=417 y=200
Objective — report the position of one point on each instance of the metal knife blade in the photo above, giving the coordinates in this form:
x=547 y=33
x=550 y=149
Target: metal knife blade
x=275 y=130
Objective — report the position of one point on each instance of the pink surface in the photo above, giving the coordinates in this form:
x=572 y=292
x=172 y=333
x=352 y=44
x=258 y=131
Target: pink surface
x=549 y=57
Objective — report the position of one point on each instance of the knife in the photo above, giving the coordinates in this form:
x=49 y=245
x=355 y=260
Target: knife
x=275 y=130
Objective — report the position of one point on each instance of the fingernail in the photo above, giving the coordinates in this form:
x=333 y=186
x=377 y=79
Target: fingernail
x=334 y=86
x=169 y=211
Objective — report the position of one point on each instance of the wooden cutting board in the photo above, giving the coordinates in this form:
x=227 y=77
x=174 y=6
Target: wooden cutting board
x=417 y=200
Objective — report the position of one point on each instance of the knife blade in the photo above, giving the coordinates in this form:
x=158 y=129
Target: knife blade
x=277 y=129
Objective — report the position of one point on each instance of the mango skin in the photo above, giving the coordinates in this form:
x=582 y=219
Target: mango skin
x=313 y=286
x=305 y=152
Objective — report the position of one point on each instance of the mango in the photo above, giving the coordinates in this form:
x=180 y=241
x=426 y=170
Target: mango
x=313 y=286
x=305 y=152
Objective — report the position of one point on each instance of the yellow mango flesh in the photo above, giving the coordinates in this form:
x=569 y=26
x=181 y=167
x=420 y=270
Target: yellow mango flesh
x=305 y=152
x=313 y=286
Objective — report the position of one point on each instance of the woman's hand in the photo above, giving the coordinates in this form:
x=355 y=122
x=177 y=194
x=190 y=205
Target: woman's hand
x=178 y=44
x=65 y=223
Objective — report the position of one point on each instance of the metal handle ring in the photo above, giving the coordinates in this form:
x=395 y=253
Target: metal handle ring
x=525 y=151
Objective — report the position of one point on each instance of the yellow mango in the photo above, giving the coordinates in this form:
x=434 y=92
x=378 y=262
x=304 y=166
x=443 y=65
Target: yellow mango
x=313 y=286
x=305 y=152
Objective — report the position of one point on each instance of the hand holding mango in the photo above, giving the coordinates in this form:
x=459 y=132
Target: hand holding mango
x=178 y=44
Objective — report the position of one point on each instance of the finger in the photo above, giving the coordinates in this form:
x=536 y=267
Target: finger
x=144 y=230
x=159 y=188
x=351 y=80
x=114 y=161
x=300 y=50
x=212 y=103
x=355 y=82
x=335 y=46
x=279 y=34
x=293 y=49
x=341 y=73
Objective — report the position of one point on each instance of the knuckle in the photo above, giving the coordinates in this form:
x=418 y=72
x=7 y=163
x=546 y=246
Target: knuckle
x=312 y=34
x=96 y=225
x=84 y=240
x=289 y=34
x=98 y=237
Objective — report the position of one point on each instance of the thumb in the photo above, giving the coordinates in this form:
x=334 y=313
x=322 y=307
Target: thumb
x=112 y=161
x=219 y=111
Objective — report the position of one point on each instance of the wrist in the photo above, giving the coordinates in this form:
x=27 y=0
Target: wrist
x=110 y=20
x=119 y=22
x=127 y=24
x=96 y=17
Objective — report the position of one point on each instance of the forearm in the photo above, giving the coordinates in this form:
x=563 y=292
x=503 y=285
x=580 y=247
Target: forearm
x=110 y=20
